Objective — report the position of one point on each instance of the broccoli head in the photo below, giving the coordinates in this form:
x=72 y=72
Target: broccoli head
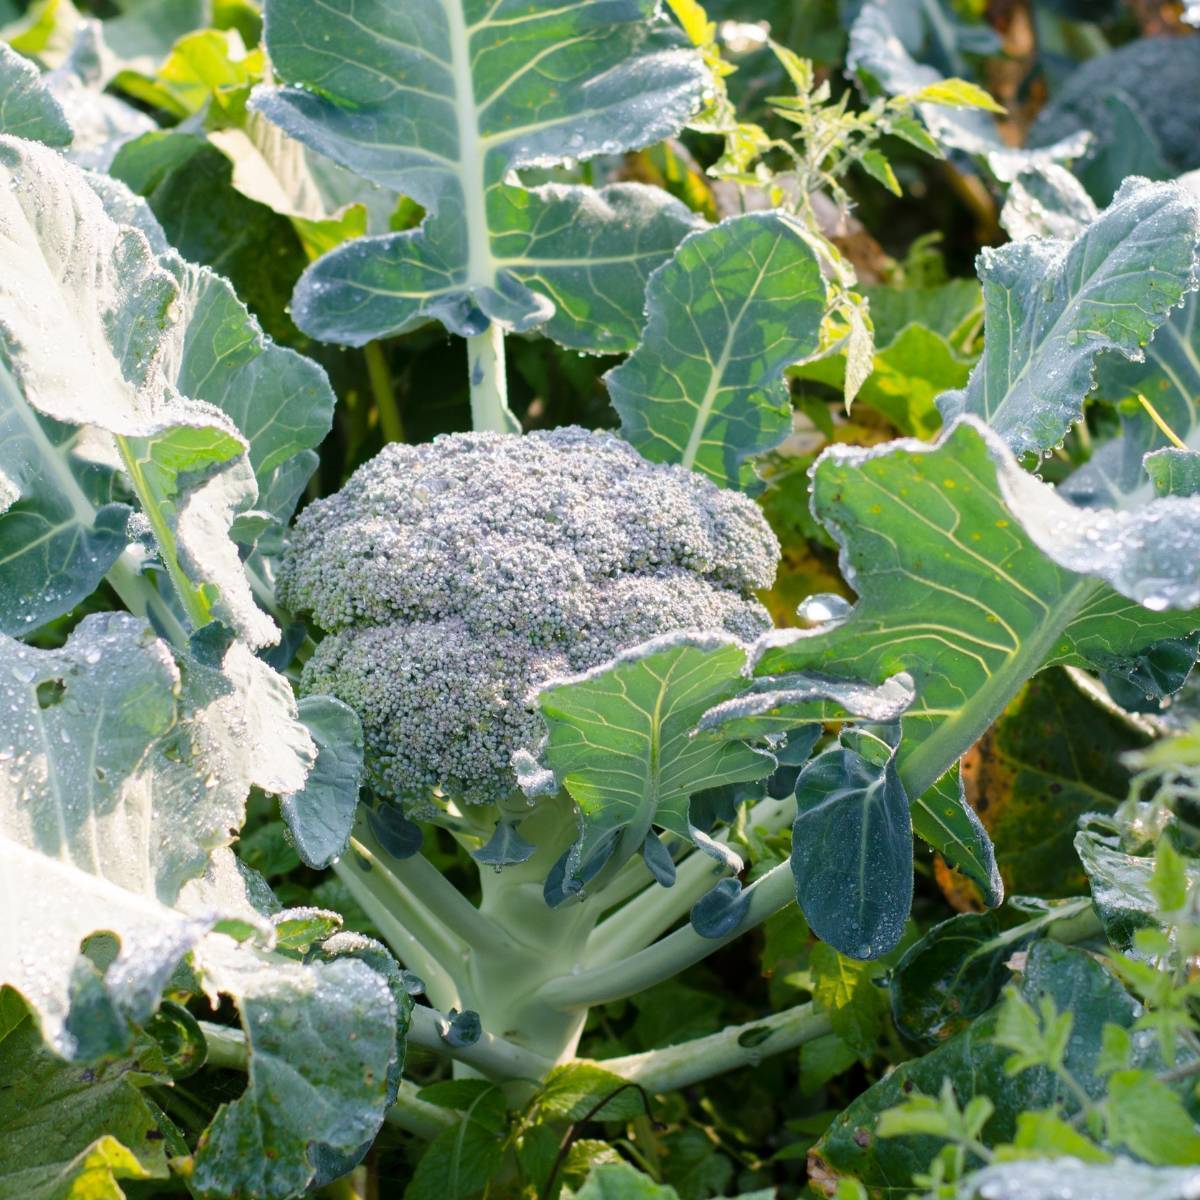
x=454 y=578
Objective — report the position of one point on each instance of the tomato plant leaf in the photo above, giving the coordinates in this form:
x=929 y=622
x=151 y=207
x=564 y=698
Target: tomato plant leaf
x=975 y=1065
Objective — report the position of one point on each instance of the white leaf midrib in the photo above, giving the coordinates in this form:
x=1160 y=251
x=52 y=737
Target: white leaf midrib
x=480 y=268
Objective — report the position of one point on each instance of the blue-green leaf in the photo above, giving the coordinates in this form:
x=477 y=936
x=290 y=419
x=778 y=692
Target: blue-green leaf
x=735 y=306
x=442 y=101
x=1051 y=307
x=957 y=556
x=852 y=847
x=176 y=395
x=320 y=816
x=27 y=107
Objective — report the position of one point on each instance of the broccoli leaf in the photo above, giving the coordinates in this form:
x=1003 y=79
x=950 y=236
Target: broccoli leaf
x=781 y=704
x=943 y=819
x=104 y=707
x=124 y=772
x=127 y=777
x=27 y=108
x=622 y=742
x=442 y=101
x=315 y=1097
x=100 y=122
x=1047 y=203
x=852 y=846
x=953 y=550
x=1051 y=307
x=705 y=388
x=63 y=1131
x=1156 y=85
x=320 y=816
x=175 y=394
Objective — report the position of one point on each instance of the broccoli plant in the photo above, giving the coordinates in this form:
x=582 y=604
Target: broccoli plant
x=547 y=649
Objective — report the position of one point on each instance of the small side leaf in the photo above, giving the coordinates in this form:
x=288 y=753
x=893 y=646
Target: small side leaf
x=852 y=847
x=319 y=816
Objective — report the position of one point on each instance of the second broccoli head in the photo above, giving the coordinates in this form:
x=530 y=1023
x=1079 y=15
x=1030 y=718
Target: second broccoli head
x=456 y=577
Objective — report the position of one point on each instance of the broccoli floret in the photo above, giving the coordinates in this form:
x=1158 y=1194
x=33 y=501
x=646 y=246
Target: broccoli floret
x=455 y=577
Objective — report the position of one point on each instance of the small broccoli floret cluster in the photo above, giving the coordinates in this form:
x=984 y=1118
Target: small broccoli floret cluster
x=455 y=577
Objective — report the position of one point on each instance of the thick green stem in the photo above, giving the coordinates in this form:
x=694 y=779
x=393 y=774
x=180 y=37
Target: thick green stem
x=190 y=596
x=737 y=1046
x=667 y=957
x=379 y=375
x=656 y=909
x=420 y=878
x=489 y=383
x=143 y=599
x=227 y=1048
x=491 y=1056
x=503 y=981
x=415 y=935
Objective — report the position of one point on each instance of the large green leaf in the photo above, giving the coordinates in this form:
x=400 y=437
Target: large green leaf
x=975 y=1065
x=956 y=970
x=622 y=742
x=188 y=182
x=1051 y=307
x=100 y=122
x=441 y=100
x=1156 y=85
x=942 y=545
x=323 y=1057
x=27 y=108
x=127 y=773
x=71 y=1133
x=173 y=394
x=1169 y=377
x=705 y=387
x=123 y=774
